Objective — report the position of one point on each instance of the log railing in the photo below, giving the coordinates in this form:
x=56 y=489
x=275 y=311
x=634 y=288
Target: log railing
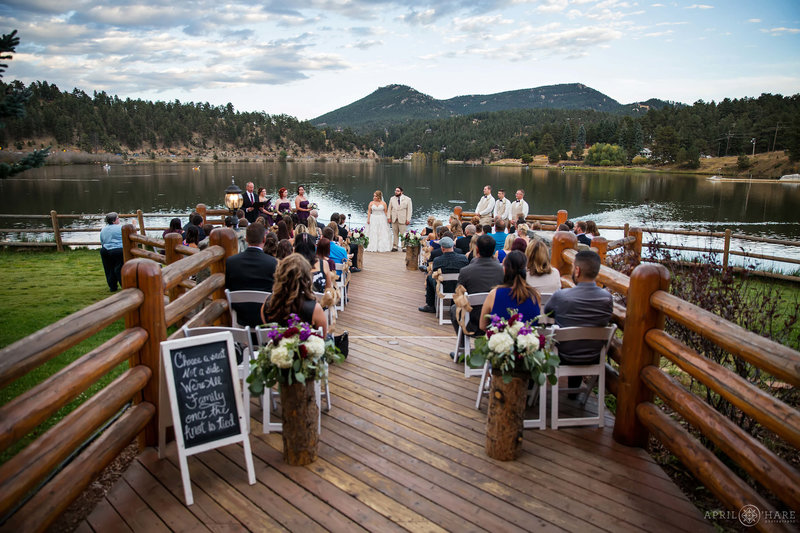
x=34 y=490
x=640 y=379
x=57 y=230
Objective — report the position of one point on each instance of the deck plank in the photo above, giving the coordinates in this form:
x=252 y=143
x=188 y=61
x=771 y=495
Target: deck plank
x=402 y=449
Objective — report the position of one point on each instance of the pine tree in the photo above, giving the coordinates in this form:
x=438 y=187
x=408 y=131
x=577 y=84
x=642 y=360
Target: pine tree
x=581 y=141
x=13 y=105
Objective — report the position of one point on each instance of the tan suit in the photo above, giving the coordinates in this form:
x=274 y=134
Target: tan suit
x=485 y=209
x=399 y=214
x=519 y=207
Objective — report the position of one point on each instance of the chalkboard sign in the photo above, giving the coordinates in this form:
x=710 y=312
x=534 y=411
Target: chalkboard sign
x=205 y=393
x=205 y=398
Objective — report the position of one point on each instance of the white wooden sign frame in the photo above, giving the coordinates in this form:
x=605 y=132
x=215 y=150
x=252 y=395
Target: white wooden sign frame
x=183 y=453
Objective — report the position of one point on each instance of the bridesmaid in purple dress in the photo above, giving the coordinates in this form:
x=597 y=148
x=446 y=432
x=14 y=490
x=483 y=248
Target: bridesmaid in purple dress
x=284 y=205
x=301 y=205
x=264 y=207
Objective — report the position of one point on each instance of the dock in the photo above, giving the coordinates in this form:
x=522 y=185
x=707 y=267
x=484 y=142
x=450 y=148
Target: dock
x=402 y=448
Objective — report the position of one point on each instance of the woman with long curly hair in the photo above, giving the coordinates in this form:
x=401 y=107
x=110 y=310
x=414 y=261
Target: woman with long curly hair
x=513 y=293
x=292 y=294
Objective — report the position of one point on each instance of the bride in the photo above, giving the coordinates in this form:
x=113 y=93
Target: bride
x=380 y=236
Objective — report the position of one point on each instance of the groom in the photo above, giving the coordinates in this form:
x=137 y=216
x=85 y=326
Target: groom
x=399 y=215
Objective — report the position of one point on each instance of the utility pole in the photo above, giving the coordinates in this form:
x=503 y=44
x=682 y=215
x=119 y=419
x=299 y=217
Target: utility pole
x=753 y=140
x=728 y=145
x=776 y=136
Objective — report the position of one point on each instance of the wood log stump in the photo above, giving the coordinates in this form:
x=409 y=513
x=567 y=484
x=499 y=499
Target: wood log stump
x=504 y=424
x=300 y=415
x=412 y=257
x=360 y=261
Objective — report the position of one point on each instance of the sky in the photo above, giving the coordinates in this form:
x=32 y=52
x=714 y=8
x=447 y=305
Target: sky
x=307 y=57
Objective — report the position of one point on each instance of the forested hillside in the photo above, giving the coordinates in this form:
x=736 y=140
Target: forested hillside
x=105 y=123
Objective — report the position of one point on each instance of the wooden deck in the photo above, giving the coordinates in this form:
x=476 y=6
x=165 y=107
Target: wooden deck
x=402 y=449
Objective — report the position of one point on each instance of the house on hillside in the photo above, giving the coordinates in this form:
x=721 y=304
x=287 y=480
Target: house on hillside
x=646 y=152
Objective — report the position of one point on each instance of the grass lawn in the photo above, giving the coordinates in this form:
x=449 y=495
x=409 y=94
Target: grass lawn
x=41 y=287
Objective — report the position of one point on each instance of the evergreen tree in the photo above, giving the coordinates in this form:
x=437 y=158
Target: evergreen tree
x=581 y=140
x=13 y=105
x=548 y=145
x=566 y=137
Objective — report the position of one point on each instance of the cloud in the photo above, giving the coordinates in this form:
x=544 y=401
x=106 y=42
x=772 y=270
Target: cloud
x=552 y=6
x=753 y=20
x=781 y=31
x=364 y=45
x=480 y=24
x=699 y=6
x=419 y=17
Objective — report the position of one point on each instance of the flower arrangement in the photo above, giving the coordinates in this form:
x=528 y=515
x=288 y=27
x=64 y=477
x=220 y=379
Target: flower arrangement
x=412 y=238
x=358 y=236
x=293 y=354
x=312 y=206
x=512 y=347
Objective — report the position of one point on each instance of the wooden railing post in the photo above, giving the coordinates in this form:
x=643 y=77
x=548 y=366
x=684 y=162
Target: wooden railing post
x=457 y=212
x=561 y=217
x=727 y=249
x=171 y=240
x=56 y=231
x=145 y=275
x=636 y=247
x=601 y=244
x=140 y=217
x=226 y=238
x=202 y=211
x=562 y=240
x=127 y=244
x=636 y=354
x=626 y=229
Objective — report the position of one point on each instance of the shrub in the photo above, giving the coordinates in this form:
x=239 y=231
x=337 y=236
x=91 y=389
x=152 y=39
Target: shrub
x=743 y=162
x=526 y=158
x=640 y=160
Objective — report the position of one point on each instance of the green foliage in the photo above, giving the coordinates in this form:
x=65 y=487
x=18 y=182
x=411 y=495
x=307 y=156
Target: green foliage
x=526 y=158
x=60 y=283
x=640 y=160
x=666 y=145
x=743 y=162
x=282 y=155
x=554 y=156
x=602 y=154
x=547 y=144
x=13 y=106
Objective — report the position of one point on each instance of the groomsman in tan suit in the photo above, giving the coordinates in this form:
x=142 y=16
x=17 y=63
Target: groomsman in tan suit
x=519 y=207
x=399 y=215
x=485 y=207
x=502 y=207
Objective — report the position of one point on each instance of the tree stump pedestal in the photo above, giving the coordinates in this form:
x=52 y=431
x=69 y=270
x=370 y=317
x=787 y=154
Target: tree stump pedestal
x=504 y=424
x=360 y=260
x=412 y=257
x=300 y=416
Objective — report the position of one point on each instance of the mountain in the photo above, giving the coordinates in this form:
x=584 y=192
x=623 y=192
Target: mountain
x=395 y=104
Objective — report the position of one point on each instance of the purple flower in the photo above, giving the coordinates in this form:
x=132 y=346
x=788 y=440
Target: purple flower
x=294 y=320
x=525 y=330
x=274 y=335
x=305 y=332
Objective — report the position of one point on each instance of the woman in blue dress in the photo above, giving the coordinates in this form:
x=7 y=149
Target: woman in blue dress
x=513 y=293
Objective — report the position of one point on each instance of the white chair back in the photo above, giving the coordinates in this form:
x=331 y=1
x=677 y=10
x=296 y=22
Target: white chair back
x=243 y=297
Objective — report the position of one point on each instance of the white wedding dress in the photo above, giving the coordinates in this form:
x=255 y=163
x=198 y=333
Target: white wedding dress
x=378 y=231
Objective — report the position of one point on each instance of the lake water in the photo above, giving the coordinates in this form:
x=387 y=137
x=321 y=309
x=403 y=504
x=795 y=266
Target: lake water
x=609 y=198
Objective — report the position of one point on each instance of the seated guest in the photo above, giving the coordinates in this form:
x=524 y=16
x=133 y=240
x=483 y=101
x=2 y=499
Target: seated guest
x=292 y=294
x=315 y=214
x=230 y=222
x=197 y=221
x=591 y=229
x=481 y=275
x=486 y=229
x=344 y=234
x=462 y=243
x=434 y=238
x=242 y=224
x=499 y=234
x=190 y=221
x=438 y=251
x=570 y=224
x=174 y=227
x=522 y=232
x=455 y=226
x=192 y=237
x=541 y=275
x=563 y=227
x=513 y=293
x=251 y=270
x=111 y=250
x=313 y=229
x=338 y=253
x=321 y=275
x=475 y=221
x=580 y=231
x=289 y=221
x=283 y=231
x=501 y=255
x=324 y=253
x=585 y=304
x=429 y=227
x=449 y=262
x=284 y=249
x=271 y=244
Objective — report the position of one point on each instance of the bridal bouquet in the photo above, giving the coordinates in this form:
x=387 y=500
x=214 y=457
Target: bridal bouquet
x=512 y=346
x=358 y=236
x=411 y=238
x=293 y=354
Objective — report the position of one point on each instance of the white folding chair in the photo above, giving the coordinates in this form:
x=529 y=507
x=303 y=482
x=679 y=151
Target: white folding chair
x=597 y=371
x=330 y=311
x=261 y=334
x=243 y=297
x=241 y=336
x=545 y=320
x=342 y=283
x=463 y=338
x=442 y=296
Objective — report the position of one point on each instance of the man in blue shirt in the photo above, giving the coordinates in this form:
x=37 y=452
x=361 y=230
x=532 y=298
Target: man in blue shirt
x=499 y=234
x=111 y=250
x=338 y=254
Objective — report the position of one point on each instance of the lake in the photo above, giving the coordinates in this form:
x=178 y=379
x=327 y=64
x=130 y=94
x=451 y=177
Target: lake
x=609 y=198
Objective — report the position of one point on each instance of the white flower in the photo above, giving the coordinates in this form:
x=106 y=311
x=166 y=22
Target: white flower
x=501 y=343
x=515 y=327
x=315 y=346
x=280 y=356
x=528 y=343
